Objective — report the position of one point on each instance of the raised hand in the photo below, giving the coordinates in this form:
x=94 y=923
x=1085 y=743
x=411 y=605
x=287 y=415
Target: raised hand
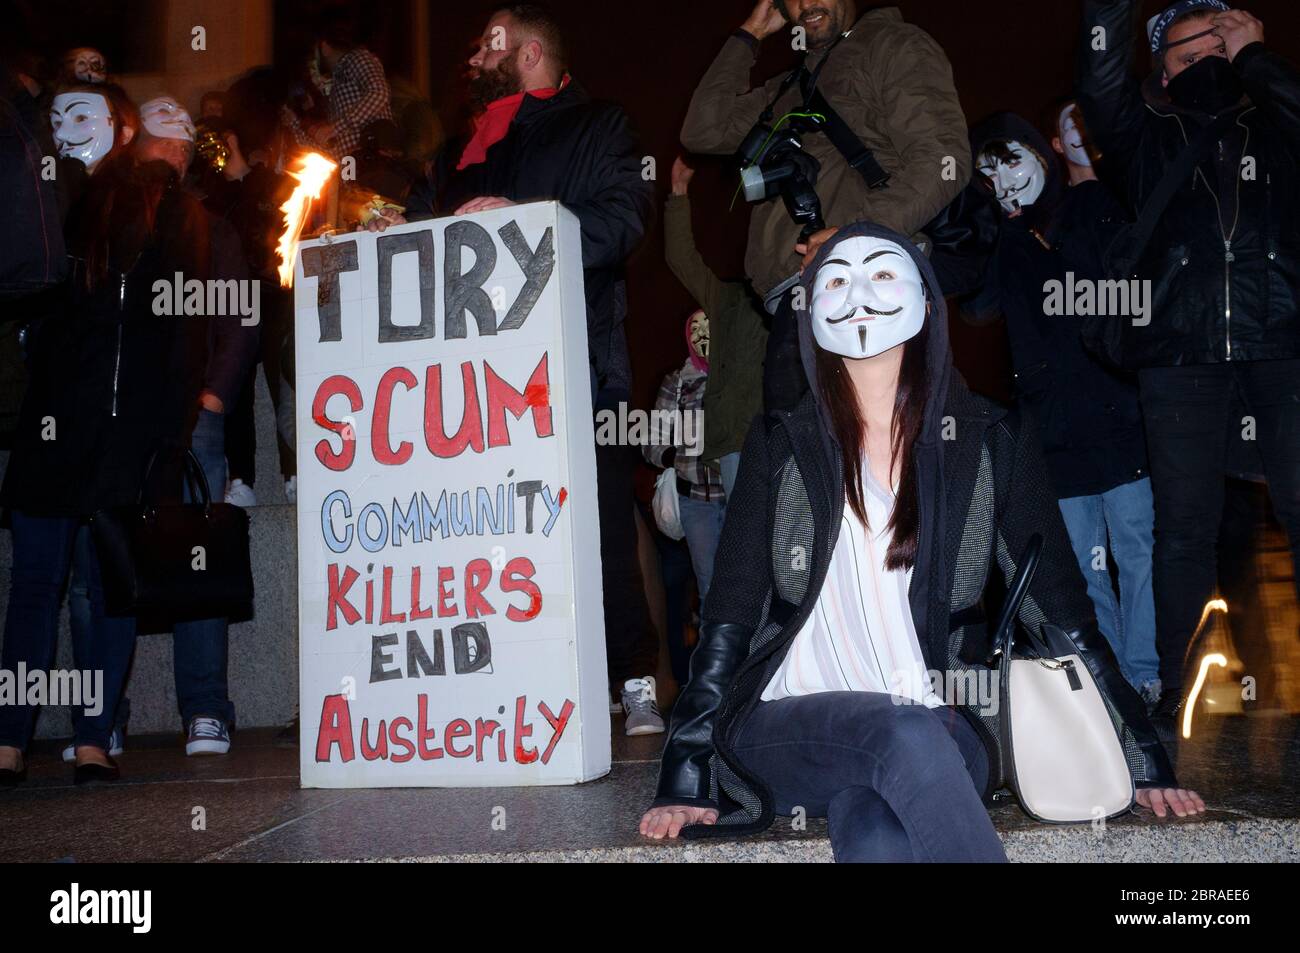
x=1238 y=29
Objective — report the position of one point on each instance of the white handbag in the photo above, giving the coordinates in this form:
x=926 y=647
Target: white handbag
x=1064 y=758
x=667 y=508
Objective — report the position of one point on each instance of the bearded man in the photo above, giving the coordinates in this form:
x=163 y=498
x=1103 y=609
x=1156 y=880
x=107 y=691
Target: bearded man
x=539 y=136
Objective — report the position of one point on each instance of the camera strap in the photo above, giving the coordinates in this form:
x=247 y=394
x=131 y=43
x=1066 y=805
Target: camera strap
x=845 y=140
x=848 y=144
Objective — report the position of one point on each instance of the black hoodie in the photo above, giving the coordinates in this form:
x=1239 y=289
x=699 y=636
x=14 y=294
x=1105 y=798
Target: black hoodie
x=939 y=377
x=1088 y=415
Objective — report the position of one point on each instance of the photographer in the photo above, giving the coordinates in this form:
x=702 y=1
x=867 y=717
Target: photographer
x=896 y=112
x=1219 y=118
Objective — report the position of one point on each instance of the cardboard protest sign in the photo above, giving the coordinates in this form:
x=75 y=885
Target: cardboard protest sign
x=450 y=618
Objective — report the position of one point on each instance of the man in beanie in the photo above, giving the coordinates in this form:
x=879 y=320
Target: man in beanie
x=1223 y=262
x=897 y=157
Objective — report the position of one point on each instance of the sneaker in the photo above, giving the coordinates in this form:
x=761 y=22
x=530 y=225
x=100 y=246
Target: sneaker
x=291 y=489
x=240 y=493
x=615 y=704
x=642 y=707
x=1150 y=694
x=207 y=736
x=116 y=745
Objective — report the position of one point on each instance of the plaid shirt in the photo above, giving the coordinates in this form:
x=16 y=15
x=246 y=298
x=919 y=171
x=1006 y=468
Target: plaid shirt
x=358 y=96
x=683 y=390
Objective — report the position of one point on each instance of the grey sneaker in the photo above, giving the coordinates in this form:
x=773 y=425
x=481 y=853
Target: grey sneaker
x=1150 y=693
x=116 y=745
x=207 y=736
x=642 y=707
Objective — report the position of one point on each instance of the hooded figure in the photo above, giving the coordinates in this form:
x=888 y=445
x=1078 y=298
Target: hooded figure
x=972 y=491
x=1087 y=414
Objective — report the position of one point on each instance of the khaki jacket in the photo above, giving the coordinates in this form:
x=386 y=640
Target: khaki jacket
x=892 y=84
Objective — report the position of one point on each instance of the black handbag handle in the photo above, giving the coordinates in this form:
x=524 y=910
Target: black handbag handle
x=194 y=475
x=1005 y=633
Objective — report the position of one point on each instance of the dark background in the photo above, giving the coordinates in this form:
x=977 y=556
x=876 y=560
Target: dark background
x=1006 y=54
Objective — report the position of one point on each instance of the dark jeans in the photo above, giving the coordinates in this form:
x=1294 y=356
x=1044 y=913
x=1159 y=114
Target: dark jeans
x=1187 y=422
x=241 y=430
x=199 y=648
x=79 y=616
x=43 y=554
x=631 y=643
x=896 y=782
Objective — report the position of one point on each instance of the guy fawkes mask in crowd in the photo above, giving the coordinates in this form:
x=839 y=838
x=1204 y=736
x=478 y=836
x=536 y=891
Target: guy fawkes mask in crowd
x=83 y=126
x=87 y=64
x=1072 y=137
x=1015 y=172
x=868 y=297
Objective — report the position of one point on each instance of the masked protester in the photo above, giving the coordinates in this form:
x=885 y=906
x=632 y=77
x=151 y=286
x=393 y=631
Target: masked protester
x=218 y=356
x=810 y=683
x=105 y=375
x=1088 y=421
x=538 y=135
x=737 y=334
x=83 y=64
x=677 y=441
x=891 y=87
x=1219 y=121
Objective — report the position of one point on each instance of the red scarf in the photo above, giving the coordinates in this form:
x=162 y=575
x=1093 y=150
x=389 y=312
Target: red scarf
x=494 y=122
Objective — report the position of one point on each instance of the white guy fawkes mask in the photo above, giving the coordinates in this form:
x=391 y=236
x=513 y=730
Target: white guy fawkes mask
x=82 y=126
x=87 y=64
x=1018 y=183
x=165 y=118
x=700 y=334
x=868 y=297
x=1072 y=138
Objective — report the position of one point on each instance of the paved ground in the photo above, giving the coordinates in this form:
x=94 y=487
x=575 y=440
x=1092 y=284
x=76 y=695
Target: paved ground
x=248 y=806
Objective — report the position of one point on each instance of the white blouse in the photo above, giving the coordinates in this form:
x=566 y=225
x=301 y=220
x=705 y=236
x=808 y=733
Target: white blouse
x=860 y=636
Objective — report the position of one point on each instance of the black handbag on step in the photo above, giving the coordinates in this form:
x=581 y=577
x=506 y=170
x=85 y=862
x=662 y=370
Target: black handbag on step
x=179 y=560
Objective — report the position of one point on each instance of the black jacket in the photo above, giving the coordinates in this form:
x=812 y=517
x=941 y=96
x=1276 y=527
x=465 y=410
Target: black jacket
x=790 y=493
x=1087 y=414
x=111 y=380
x=581 y=153
x=1211 y=302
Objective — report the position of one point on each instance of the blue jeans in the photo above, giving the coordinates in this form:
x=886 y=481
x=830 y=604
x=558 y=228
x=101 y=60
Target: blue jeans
x=83 y=555
x=896 y=782
x=1124 y=517
x=702 y=522
x=729 y=466
x=199 y=649
x=43 y=555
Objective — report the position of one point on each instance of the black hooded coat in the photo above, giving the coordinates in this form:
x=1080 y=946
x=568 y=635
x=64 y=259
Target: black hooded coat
x=1087 y=414
x=983 y=492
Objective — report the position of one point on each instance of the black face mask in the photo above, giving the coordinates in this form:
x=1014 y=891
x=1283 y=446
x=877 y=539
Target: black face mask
x=1210 y=85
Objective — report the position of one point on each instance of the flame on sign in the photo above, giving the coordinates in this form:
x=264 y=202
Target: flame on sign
x=313 y=171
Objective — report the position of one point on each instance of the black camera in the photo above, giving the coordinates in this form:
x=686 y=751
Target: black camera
x=773 y=162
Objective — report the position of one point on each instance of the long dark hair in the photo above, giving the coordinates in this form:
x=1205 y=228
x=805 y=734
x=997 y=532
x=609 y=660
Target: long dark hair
x=910 y=401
